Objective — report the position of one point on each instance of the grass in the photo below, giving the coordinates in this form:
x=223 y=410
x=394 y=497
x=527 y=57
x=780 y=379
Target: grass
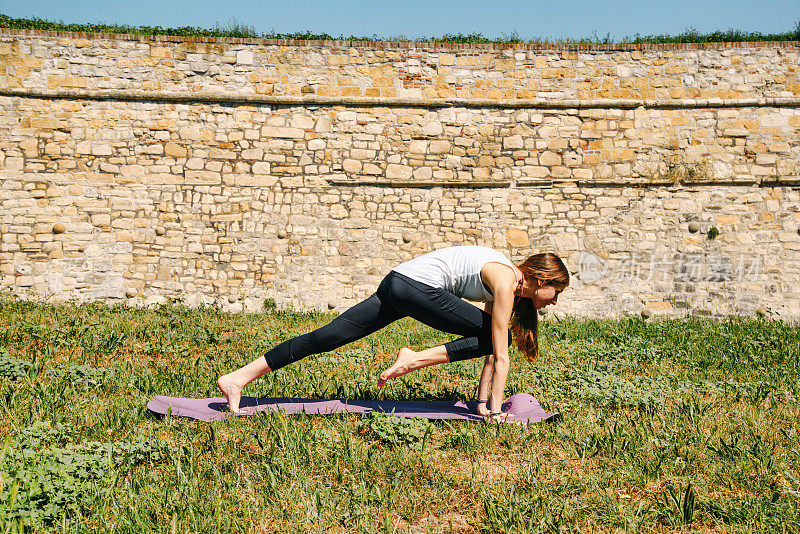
x=668 y=426
x=235 y=28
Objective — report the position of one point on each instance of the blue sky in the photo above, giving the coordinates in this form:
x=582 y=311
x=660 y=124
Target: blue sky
x=415 y=18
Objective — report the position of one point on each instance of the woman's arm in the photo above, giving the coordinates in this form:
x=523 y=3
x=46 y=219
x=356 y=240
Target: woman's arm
x=503 y=292
x=502 y=282
x=484 y=384
x=486 y=374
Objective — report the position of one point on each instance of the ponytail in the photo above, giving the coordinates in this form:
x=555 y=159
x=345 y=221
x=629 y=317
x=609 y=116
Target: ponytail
x=548 y=269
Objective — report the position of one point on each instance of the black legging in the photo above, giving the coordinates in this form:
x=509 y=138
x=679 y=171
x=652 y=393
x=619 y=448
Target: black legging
x=397 y=296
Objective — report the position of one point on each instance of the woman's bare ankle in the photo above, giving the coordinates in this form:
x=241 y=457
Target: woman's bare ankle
x=404 y=364
x=231 y=390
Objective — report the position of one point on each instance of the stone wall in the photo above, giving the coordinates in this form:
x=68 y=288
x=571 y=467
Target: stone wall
x=233 y=171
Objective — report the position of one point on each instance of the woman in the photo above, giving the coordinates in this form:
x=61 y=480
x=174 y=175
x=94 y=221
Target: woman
x=429 y=289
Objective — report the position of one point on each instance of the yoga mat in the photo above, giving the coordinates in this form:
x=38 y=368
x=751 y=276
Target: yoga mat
x=525 y=408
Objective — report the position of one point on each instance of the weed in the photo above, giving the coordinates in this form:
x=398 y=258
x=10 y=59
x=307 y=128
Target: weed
x=462 y=438
x=12 y=368
x=397 y=431
x=269 y=305
x=678 y=506
x=43 y=479
x=84 y=377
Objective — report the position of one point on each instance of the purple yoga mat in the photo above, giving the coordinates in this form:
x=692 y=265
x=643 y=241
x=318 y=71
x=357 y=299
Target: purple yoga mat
x=525 y=408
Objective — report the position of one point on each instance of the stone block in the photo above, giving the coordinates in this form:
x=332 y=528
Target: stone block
x=191 y=133
x=398 y=172
x=774 y=120
x=439 y=146
x=662 y=305
x=481 y=173
x=109 y=168
x=174 y=150
x=566 y=242
x=261 y=167
x=432 y=129
x=102 y=150
x=533 y=171
x=323 y=125
x=195 y=164
x=30 y=147
x=84 y=148
x=14 y=164
x=160 y=52
x=219 y=153
x=253 y=153
x=517 y=238
x=549 y=159
x=781 y=147
x=250 y=180
x=418 y=146
x=351 y=165
x=244 y=57
x=372 y=169
x=198 y=178
x=154 y=149
x=303 y=122
x=513 y=142
x=282 y=132
x=74 y=82
x=362 y=154
x=101 y=220
x=486 y=129
x=557 y=144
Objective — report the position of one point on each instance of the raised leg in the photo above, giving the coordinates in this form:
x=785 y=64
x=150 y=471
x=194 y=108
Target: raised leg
x=408 y=360
x=442 y=310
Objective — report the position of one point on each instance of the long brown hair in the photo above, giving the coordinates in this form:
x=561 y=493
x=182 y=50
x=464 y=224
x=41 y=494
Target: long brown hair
x=549 y=270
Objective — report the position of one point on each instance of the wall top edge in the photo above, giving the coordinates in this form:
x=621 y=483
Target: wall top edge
x=398 y=44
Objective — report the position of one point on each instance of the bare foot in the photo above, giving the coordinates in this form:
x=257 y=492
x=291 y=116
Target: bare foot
x=232 y=392
x=403 y=365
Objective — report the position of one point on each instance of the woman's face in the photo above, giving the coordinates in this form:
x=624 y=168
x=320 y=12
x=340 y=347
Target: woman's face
x=544 y=295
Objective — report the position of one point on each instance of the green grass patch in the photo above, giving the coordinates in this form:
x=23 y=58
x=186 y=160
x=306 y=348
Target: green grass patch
x=668 y=425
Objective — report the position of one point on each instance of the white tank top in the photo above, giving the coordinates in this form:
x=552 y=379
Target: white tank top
x=456 y=269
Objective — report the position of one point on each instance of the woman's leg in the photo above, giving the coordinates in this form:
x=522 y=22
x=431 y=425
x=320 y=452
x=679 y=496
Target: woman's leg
x=444 y=311
x=408 y=360
x=359 y=321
